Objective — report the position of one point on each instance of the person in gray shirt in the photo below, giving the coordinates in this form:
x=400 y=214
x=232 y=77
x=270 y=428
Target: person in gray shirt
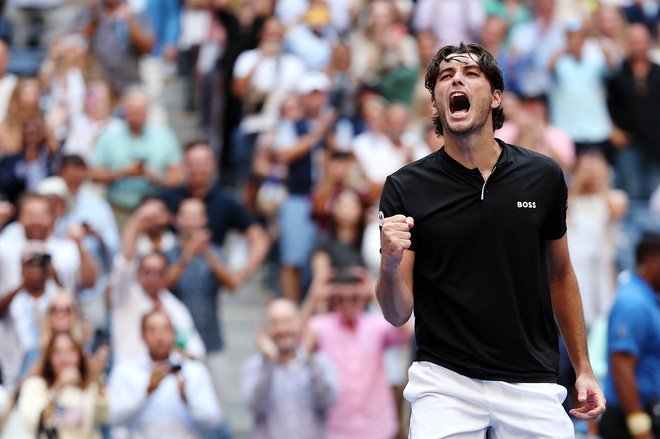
x=287 y=386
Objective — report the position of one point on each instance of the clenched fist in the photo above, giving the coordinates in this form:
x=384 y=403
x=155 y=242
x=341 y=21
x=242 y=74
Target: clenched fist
x=394 y=239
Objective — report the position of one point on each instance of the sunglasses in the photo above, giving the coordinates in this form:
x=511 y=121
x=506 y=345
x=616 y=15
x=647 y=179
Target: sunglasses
x=60 y=310
x=353 y=298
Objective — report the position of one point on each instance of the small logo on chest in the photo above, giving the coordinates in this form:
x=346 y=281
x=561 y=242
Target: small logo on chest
x=526 y=204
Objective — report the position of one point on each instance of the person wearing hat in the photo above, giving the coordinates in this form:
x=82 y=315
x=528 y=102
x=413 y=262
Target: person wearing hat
x=24 y=308
x=299 y=153
x=312 y=39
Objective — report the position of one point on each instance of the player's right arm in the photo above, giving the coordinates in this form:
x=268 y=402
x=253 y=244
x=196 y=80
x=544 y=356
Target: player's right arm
x=394 y=285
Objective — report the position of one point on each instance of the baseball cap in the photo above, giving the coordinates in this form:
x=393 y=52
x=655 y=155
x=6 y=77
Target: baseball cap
x=314 y=81
x=53 y=186
x=34 y=251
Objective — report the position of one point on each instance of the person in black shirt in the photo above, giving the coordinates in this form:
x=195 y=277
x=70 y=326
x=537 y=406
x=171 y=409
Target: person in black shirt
x=634 y=104
x=490 y=267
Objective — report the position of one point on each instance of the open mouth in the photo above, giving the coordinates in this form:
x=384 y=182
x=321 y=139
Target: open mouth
x=459 y=103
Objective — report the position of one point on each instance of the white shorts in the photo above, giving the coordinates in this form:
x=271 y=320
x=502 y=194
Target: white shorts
x=446 y=404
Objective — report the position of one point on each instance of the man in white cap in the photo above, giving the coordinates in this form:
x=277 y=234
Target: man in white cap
x=297 y=229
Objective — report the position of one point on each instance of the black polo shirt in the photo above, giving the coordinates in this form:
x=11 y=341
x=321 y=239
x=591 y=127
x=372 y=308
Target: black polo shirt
x=480 y=282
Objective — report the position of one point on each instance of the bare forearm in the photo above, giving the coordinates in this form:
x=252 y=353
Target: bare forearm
x=220 y=272
x=130 y=236
x=174 y=273
x=394 y=296
x=625 y=383
x=141 y=39
x=88 y=268
x=567 y=307
x=5 y=301
x=259 y=245
x=104 y=175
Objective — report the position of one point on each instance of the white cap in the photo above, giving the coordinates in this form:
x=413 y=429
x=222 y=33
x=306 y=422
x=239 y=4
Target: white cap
x=314 y=81
x=53 y=186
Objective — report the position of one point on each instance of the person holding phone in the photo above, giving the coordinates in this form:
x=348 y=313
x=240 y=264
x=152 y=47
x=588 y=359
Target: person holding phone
x=165 y=394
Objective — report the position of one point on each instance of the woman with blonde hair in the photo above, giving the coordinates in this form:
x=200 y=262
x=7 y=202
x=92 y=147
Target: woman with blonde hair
x=23 y=106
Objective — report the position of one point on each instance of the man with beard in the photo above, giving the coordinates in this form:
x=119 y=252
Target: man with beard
x=479 y=229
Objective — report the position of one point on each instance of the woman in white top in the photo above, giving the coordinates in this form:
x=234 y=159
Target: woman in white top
x=63 y=399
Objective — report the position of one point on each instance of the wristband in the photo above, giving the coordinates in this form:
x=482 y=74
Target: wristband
x=638 y=423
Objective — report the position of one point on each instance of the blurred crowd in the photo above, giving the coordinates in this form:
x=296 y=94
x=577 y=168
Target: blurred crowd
x=116 y=229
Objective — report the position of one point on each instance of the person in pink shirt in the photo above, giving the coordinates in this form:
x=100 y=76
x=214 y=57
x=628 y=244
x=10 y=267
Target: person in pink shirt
x=355 y=340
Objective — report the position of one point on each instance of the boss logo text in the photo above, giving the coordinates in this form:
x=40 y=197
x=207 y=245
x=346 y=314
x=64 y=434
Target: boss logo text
x=527 y=204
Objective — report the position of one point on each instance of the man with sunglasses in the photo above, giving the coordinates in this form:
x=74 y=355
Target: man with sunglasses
x=24 y=309
x=355 y=341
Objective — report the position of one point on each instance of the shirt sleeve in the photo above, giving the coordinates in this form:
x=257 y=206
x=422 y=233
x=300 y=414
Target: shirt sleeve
x=256 y=381
x=200 y=394
x=391 y=203
x=128 y=390
x=554 y=225
x=627 y=328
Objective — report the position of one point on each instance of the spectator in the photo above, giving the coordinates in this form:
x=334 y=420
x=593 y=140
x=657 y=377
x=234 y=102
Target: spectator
x=139 y=286
x=196 y=275
x=89 y=210
x=156 y=235
x=243 y=28
x=340 y=246
x=493 y=37
x=262 y=76
x=339 y=174
x=632 y=386
x=312 y=39
x=163 y=19
x=83 y=130
x=578 y=98
x=634 y=104
x=287 y=386
x=610 y=30
x=63 y=399
x=24 y=309
x=23 y=106
x=534 y=43
x=224 y=212
x=527 y=125
x=355 y=341
x=420 y=110
x=384 y=54
x=292 y=12
x=344 y=85
x=94 y=214
x=36 y=160
x=449 y=20
x=7 y=80
x=117 y=39
x=376 y=154
x=594 y=212
x=165 y=394
x=513 y=11
x=63 y=74
x=644 y=12
x=135 y=158
x=74 y=267
x=299 y=151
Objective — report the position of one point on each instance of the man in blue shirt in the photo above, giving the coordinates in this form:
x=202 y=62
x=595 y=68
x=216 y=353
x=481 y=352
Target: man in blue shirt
x=633 y=384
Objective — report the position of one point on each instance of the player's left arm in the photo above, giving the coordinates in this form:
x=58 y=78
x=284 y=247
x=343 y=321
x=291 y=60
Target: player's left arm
x=567 y=308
